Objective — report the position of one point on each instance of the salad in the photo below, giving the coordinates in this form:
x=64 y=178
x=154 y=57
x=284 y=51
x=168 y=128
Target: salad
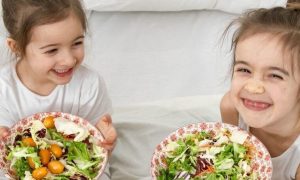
x=54 y=148
x=210 y=154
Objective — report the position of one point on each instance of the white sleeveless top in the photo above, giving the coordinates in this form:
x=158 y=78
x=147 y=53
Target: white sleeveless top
x=284 y=166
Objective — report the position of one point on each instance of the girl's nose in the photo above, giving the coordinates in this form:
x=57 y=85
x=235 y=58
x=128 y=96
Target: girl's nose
x=254 y=87
x=69 y=59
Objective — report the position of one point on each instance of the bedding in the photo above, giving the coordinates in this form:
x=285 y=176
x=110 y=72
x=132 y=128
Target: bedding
x=231 y=6
x=146 y=56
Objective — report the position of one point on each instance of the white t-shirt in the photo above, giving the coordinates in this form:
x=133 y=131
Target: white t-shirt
x=85 y=96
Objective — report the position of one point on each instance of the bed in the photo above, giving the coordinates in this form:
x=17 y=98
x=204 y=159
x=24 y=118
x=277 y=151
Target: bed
x=166 y=65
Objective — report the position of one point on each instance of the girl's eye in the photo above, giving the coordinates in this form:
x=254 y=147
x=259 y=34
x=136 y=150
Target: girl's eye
x=276 y=76
x=243 y=70
x=78 y=43
x=52 y=51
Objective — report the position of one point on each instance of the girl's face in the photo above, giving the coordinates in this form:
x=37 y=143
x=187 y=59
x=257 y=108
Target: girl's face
x=264 y=88
x=55 y=50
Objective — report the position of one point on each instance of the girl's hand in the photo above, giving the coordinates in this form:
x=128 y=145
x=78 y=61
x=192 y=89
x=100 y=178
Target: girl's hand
x=4 y=132
x=107 y=129
x=298 y=173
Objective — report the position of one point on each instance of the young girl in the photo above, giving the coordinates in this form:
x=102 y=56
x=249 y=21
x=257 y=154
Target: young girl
x=265 y=90
x=47 y=39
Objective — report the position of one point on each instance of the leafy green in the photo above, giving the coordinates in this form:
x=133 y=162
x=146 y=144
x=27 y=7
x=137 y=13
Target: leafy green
x=21 y=166
x=79 y=151
x=83 y=158
x=56 y=136
x=226 y=160
x=19 y=152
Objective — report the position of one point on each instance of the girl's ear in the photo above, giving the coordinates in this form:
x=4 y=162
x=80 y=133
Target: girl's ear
x=12 y=44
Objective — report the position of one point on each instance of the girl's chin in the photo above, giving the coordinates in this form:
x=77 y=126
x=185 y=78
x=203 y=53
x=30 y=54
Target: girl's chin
x=255 y=122
x=63 y=81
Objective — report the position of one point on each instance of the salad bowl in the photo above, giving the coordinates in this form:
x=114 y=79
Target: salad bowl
x=53 y=145
x=211 y=150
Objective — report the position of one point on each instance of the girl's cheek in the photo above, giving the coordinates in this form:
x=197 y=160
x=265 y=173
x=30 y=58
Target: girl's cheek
x=80 y=55
x=237 y=82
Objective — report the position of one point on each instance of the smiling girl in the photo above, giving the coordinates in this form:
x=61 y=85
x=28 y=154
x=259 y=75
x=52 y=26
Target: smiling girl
x=264 y=97
x=46 y=38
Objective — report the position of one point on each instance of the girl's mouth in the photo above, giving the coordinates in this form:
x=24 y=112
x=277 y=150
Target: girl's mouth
x=63 y=72
x=255 y=105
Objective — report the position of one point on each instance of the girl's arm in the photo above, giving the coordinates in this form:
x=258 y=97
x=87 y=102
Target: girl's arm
x=228 y=112
x=298 y=173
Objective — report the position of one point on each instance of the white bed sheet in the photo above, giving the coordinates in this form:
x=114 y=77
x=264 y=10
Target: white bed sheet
x=142 y=126
x=147 y=56
x=231 y=6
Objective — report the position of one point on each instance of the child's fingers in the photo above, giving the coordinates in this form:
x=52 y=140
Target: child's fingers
x=104 y=125
x=109 y=141
x=108 y=131
x=106 y=128
x=4 y=132
x=108 y=146
x=107 y=119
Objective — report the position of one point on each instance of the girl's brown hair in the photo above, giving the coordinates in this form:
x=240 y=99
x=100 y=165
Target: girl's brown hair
x=279 y=21
x=20 y=16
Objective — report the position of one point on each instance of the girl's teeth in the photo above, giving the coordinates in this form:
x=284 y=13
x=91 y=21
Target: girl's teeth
x=258 y=105
x=61 y=70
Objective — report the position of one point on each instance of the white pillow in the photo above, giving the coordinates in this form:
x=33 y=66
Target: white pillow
x=231 y=6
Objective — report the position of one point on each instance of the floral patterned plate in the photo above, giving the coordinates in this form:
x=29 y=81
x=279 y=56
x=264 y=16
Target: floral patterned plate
x=260 y=162
x=27 y=122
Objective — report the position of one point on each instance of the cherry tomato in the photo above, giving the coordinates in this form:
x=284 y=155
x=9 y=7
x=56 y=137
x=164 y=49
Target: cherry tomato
x=45 y=156
x=39 y=173
x=49 y=122
x=30 y=162
x=56 y=150
x=28 y=142
x=56 y=167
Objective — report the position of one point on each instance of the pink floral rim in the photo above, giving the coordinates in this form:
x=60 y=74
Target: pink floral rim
x=24 y=123
x=261 y=163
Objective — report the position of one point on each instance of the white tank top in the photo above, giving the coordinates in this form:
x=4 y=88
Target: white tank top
x=284 y=166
